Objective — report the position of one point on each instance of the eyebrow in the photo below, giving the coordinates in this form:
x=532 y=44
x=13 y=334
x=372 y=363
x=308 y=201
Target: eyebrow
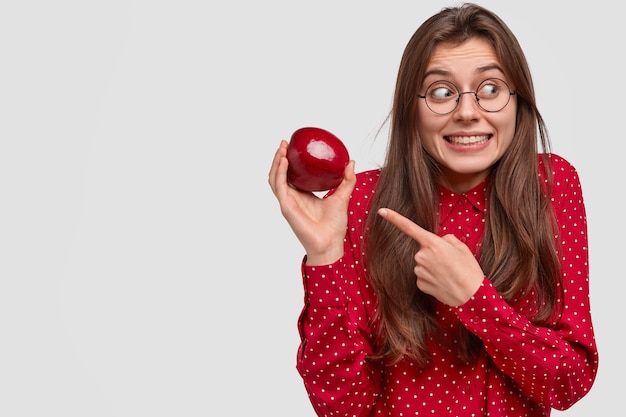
x=479 y=70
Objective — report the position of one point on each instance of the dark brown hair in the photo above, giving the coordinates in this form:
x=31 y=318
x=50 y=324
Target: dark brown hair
x=519 y=253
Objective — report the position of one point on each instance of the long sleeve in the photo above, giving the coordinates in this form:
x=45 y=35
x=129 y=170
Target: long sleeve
x=554 y=366
x=335 y=325
x=335 y=343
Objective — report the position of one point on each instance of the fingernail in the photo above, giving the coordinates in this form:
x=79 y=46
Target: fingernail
x=382 y=212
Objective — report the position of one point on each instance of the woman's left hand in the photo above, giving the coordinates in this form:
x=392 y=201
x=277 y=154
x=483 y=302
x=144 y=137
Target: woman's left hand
x=444 y=266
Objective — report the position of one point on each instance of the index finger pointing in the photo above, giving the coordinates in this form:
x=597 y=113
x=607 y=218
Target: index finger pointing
x=405 y=225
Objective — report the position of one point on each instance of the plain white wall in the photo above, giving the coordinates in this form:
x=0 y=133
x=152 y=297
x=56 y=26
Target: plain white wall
x=145 y=268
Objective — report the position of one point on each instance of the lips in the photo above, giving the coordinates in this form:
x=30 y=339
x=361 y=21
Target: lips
x=467 y=140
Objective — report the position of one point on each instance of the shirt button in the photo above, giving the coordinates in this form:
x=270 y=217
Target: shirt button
x=475 y=320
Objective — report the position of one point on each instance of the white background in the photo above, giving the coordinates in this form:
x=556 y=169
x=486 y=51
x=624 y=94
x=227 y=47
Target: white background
x=145 y=269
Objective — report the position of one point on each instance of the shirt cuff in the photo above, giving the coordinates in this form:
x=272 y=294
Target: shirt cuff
x=484 y=309
x=323 y=284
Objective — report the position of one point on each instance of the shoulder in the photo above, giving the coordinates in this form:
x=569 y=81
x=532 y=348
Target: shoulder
x=561 y=169
x=366 y=182
x=557 y=162
x=565 y=181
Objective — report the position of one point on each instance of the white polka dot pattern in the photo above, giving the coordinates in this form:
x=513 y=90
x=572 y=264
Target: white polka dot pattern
x=525 y=370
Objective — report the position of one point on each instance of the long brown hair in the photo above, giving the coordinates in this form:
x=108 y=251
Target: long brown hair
x=519 y=253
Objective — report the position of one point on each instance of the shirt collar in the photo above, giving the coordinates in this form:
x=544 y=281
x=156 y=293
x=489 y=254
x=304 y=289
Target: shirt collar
x=448 y=199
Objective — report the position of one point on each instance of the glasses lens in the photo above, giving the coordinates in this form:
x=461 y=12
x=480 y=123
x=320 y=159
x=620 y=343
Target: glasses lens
x=441 y=97
x=493 y=95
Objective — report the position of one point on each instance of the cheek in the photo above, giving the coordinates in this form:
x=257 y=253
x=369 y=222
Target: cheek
x=429 y=127
x=507 y=127
x=510 y=119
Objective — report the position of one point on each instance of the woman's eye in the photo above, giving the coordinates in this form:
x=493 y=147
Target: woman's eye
x=441 y=92
x=489 y=90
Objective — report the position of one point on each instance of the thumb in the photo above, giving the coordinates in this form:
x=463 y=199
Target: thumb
x=345 y=188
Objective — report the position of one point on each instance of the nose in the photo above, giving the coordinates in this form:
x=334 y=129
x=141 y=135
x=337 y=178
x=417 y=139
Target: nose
x=467 y=108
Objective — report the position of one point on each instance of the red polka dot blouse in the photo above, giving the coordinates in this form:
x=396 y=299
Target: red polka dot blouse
x=525 y=370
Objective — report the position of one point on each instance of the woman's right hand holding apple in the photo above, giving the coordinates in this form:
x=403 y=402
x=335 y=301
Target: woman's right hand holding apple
x=318 y=223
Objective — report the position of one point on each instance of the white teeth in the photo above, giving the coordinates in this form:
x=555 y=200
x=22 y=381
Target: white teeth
x=467 y=140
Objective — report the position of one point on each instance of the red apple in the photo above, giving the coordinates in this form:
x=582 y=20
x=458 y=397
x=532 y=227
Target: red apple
x=317 y=159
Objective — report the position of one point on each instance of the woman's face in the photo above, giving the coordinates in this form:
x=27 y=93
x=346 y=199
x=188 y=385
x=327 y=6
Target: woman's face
x=468 y=141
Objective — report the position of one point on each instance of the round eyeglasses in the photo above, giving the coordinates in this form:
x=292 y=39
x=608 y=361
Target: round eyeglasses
x=492 y=95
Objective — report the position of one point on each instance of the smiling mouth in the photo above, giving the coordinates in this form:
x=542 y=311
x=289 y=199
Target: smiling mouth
x=467 y=140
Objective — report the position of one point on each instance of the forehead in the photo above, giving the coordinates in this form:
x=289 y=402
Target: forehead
x=474 y=55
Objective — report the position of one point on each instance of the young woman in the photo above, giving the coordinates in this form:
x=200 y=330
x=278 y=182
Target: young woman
x=454 y=279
